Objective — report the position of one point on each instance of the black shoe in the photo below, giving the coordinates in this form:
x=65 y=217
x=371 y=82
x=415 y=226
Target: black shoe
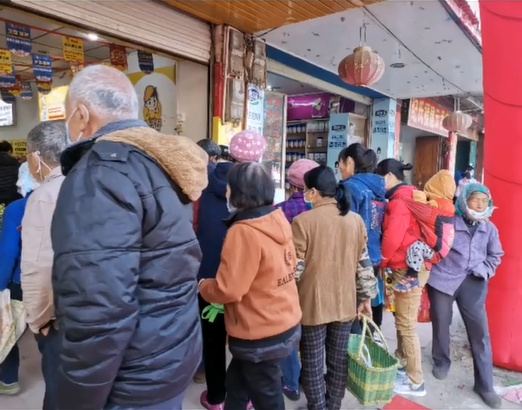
x=491 y=399
x=294 y=395
x=440 y=373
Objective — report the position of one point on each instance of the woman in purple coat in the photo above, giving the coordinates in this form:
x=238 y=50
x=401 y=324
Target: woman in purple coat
x=463 y=277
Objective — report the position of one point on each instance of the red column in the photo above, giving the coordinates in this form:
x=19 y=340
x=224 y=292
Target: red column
x=450 y=155
x=502 y=40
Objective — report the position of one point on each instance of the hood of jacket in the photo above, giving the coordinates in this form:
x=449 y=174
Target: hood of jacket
x=181 y=159
x=268 y=220
x=8 y=161
x=440 y=186
x=217 y=180
x=373 y=182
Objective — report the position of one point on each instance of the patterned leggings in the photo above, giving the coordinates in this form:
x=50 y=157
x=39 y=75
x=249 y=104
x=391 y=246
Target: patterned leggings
x=332 y=339
x=417 y=254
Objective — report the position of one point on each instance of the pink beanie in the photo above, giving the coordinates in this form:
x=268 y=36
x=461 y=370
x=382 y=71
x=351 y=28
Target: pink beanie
x=298 y=169
x=247 y=146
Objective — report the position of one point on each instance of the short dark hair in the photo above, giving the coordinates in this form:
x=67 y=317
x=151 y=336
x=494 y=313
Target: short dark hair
x=5 y=146
x=322 y=179
x=250 y=186
x=210 y=147
x=225 y=154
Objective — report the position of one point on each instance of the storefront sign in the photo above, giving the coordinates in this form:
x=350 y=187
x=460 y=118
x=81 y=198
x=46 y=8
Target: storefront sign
x=43 y=67
x=18 y=39
x=52 y=105
x=426 y=115
x=383 y=127
x=255 y=117
x=6 y=114
x=73 y=49
x=6 y=62
x=146 y=62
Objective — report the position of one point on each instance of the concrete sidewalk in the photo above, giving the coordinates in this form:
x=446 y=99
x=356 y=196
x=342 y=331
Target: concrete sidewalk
x=454 y=393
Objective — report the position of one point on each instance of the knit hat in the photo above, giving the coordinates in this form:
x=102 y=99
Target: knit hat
x=463 y=208
x=247 y=146
x=298 y=169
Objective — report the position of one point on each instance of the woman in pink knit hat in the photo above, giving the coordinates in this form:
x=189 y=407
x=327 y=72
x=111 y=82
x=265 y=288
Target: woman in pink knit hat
x=247 y=146
x=294 y=206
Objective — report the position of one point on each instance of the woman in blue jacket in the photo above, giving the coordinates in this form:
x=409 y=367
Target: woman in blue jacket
x=10 y=252
x=367 y=190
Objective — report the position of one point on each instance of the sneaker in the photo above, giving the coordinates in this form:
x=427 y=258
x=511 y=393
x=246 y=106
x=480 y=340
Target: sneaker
x=491 y=399
x=9 y=389
x=440 y=373
x=204 y=402
x=402 y=376
x=293 y=395
x=406 y=284
x=407 y=388
x=199 y=378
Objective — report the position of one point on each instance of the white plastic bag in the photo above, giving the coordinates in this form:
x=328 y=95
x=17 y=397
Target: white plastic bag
x=12 y=323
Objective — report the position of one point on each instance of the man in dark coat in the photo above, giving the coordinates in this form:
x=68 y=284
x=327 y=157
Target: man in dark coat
x=8 y=174
x=126 y=256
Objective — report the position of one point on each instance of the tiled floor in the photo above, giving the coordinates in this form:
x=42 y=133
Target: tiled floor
x=455 y=393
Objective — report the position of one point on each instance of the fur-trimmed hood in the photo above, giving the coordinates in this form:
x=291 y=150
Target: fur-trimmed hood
x=183 y=160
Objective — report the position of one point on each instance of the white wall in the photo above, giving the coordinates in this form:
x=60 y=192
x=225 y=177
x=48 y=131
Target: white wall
x=192 y=82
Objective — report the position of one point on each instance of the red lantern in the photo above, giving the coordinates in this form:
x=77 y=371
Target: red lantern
x=362 y=68
x=457 y=121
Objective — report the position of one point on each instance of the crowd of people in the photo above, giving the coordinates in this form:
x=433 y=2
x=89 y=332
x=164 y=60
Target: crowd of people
x=140 y=256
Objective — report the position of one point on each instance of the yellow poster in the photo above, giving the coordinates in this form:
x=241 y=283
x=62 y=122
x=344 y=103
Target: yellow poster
x=19 y=148
x=6 y=63
x=73 y=49
x=52 y=105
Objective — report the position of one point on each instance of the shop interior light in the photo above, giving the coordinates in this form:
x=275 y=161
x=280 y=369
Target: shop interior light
x=92 y=36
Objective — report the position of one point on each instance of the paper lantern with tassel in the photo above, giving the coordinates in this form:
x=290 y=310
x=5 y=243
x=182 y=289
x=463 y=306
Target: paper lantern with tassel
x=362 y=68
x=457 y=121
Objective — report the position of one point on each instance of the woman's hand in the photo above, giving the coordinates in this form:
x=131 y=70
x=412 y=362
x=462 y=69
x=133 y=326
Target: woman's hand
x=365 y=308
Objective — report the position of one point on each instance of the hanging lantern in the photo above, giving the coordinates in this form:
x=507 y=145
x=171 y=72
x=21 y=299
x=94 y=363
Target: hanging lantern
x=362 y=68
x=457 y=121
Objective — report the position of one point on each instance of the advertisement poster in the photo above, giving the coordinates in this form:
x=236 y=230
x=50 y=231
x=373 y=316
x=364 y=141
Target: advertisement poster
x=157 y=96
x=6 y=62
x=383 y=127
x=255 y=117
x=19 y=148
x=52 y=105
x=146 y=62
x=309 y=106
x=73 y=49
x=337 y=139
x=6 y=114
x=43 y=67
x=18 y=39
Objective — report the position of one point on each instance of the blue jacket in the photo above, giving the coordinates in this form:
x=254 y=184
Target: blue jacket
x=367 y=198
x=211 y=227
x=11 y=243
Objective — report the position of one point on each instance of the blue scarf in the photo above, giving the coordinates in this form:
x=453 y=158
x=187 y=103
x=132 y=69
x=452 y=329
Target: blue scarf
x=469 y=214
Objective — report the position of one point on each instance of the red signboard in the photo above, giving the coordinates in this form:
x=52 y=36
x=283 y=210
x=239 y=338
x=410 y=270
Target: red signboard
x=426 y=115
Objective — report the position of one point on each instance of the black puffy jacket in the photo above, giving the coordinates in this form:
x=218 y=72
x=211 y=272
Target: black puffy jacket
x=125 y=268
x=8 y=177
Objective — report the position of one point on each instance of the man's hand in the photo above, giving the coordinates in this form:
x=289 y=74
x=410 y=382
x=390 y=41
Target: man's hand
x=365 y=308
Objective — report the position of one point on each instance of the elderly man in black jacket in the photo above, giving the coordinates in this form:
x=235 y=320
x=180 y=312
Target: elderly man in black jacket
x=126 y=256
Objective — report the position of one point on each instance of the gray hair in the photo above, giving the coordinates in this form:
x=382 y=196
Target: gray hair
x=49 y=139
x=106 y=92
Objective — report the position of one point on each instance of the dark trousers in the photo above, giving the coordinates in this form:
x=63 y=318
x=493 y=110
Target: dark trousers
x=49 y=348
x=11 y=364
x=173 y=404
x=471 y=301
x=214 y=356
x=331 y=339
x=259 y=382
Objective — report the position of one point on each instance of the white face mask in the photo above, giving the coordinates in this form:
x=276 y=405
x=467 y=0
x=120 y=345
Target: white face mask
x=69 y=139
x=26 y=183
x=40 y=163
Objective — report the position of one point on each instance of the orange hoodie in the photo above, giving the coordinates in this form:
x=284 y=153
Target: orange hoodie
x=439 y=192
x=256 y=279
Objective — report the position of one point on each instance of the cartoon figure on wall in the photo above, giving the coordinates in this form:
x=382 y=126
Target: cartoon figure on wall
x=152 y=108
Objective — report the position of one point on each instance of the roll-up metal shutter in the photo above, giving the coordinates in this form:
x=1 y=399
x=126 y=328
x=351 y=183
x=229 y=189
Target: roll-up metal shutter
x=146 y=22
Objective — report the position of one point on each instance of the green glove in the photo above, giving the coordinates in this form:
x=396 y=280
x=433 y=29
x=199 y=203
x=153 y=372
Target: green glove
x=211 y=311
